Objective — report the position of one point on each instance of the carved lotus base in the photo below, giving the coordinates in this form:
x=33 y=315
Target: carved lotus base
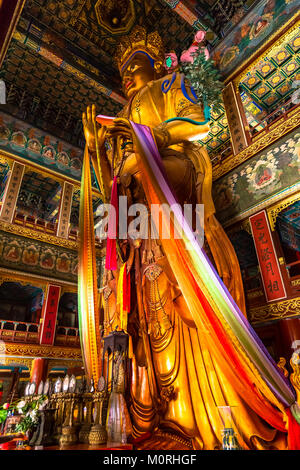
x=97 y=435
x=84 y=433
x=68 y=436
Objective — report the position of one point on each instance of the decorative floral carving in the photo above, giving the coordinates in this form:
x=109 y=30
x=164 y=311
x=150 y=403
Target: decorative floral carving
x=36 y=350
x=275 y=311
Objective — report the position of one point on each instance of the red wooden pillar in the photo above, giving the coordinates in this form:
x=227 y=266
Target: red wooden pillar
x=39 y=370
x=267 y=257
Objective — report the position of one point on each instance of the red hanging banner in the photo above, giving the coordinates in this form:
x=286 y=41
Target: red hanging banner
x=50 y=308
x=268 y=262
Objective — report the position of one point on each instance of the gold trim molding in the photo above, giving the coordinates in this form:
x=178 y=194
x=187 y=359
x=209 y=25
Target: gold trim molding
x=38 y=350
x=40 y=236
x=275 y=311
x=45 y=237
x=58 y=363
x=275 y=210
x=27 y=362
x=265 y=204
x=21 y=280
x=232 y=162
x=8 y=275
x=16 y=361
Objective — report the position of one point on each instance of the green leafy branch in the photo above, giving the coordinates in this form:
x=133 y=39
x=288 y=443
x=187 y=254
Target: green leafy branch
x=205 y=79
x=3 y=415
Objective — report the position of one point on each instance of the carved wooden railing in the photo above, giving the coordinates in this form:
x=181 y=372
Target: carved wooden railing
x=271 y=118
x=23 y=332
x=17 y=331
x=41 y=225
x=67 y=336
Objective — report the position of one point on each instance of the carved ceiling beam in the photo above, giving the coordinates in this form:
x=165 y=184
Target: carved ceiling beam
x=58 y=57
x=188 y=13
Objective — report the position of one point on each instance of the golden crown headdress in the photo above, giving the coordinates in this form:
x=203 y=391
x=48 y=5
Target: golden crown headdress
x=139 y=40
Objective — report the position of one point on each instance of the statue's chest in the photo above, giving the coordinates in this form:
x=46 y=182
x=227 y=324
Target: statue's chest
x=144 y=109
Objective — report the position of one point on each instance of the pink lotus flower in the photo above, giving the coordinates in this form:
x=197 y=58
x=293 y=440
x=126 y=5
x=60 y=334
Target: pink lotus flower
x=199 y=36
x=187 y=56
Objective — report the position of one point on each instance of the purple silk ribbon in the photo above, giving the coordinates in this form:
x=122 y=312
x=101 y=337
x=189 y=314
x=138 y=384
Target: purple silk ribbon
x=145 y=137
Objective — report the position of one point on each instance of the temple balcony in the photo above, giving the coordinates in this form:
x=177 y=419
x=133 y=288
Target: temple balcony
x=19 y=332
x=273 y=119
x=40 y=225
x=44 y=226
x=67 y=336
x=23 y=332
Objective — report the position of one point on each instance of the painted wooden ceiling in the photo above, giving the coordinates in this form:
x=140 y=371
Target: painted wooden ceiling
x=270 y=82
x=266 y=86
x=61 y=57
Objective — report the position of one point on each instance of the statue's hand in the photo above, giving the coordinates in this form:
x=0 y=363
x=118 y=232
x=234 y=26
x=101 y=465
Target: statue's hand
x=89 y=120
x=120 y=127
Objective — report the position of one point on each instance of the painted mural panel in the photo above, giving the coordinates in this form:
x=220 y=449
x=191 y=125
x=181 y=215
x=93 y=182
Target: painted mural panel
x=269 y=172
x=263 y=20
x=18 y=137
x=22 y=254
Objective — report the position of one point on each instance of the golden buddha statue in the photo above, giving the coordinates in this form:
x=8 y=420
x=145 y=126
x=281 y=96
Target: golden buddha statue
x=174 y=381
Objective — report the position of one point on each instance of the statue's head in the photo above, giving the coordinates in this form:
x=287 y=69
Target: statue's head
x=140 y=59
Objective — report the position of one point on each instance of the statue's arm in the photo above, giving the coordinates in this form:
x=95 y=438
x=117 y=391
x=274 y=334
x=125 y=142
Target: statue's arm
x=187 y=121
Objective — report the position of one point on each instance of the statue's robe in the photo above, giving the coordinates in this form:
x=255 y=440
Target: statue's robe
x=175 y=382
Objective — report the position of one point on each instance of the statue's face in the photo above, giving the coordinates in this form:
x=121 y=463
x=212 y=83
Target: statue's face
x=137 y=74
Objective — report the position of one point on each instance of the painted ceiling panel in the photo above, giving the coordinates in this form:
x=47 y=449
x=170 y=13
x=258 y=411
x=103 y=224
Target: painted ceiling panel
x=62 y=58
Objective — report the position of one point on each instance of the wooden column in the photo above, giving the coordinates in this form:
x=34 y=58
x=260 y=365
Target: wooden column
x=11 y=192
x=13 y=389
x=65 y=210
x=38 y=370
x=237 y=121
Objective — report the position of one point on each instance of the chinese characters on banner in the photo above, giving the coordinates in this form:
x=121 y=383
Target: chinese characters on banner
x=268 y=262
x=50 y=308
x=11 y=192
x=65 y=210
x=234 y=119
